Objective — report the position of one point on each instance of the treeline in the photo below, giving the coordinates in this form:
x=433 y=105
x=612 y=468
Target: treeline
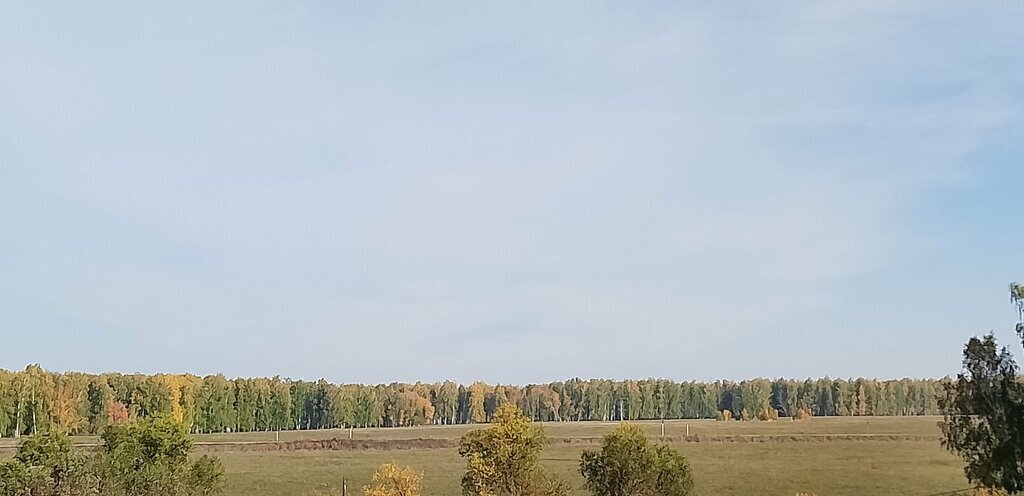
x=35 y=400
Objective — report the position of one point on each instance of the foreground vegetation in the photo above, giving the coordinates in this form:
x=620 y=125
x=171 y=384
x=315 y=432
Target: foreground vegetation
x=149 y=457
x=983 y=411
x=803 y=463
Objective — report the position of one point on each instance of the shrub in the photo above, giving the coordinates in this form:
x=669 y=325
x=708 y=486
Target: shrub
x=802 y=414
x=46 y=465
x=544 y=483
x=768 y=414
x=149 y=457
x=628 y=465
x=145 y=458
x=502 y=460
x=394 y=480
x=12 y=478
x=724 y=415
x=206 y=476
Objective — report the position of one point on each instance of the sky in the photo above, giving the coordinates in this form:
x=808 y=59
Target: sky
x=509 y=191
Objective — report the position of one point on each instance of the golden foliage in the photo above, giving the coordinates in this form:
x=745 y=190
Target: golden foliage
x=68 y=391
x=394 y=480
x=174 y=384
x=477 y=393
x=502 y=459
x=413 y=409
x=986 y=491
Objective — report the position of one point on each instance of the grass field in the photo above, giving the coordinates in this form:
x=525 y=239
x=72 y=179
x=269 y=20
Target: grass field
x=832 y=468
x=801 y=459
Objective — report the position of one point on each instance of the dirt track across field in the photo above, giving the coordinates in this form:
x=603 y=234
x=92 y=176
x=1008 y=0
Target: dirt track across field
x=420 y=444
x=340 y=444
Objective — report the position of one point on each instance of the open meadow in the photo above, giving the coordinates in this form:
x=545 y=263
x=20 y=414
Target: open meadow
x=874 y=456
x=851 y=468
x=841 y=456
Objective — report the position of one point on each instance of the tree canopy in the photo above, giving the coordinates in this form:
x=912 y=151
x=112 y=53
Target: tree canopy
x=983 y=411
x=629 y=465
x=34 y=400
x=502 y=459
x=145 y=458
x=392 y=479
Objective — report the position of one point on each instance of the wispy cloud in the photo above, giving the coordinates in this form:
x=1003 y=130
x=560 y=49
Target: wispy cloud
x=522 y=193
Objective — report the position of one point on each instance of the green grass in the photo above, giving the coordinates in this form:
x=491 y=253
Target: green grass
x=859 y=468
x=827 y=468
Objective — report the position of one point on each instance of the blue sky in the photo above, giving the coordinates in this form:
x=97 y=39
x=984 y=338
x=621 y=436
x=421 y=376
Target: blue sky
x=514 y=192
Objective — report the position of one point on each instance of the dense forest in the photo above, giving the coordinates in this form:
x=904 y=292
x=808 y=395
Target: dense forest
x=35 y=400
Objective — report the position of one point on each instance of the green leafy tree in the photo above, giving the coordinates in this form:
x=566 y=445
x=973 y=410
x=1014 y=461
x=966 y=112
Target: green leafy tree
x=628 y=465
x=101 y=401
x=447 y=401
x=984 y=412
x=34 y=392
x=46 y=465
x=1017 y=298
x=279 y=408
x=150 y=457
x=8 y=402
x=984 y=416
x=215 y=411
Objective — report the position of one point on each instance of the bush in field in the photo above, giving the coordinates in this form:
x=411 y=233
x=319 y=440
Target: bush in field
x=205 y=476
x=502 y=460
x=150 y=458
x=394 y=480
x=802 y=414
x=45 y=465
x=724 y=415
x=628 y=465
x=147 y=458
x=768 y=414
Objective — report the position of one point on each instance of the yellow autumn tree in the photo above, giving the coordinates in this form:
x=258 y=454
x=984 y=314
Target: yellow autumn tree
x=68 y=393
x=503 y=459
x=477 y=394
x=413 y=409
x=394 y=480
x=188 y=387
x=174 y=384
